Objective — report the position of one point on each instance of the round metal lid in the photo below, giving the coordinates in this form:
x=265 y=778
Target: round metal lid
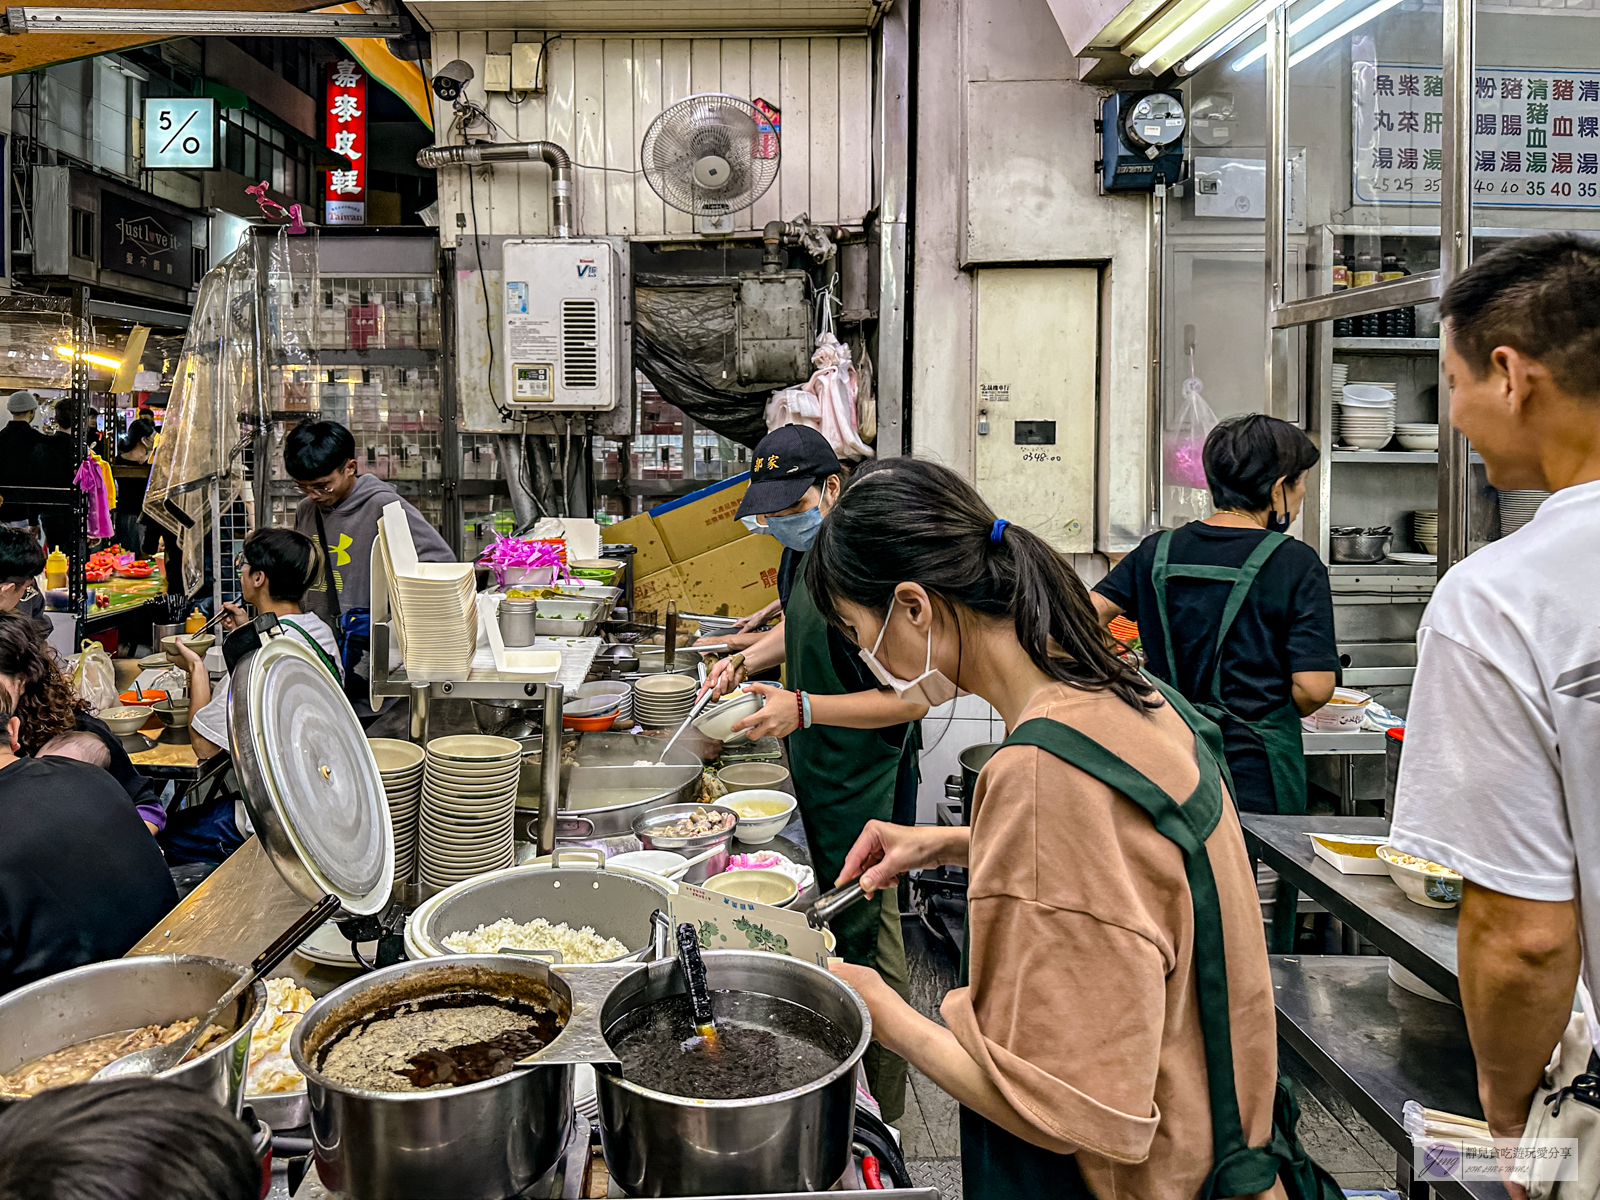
x=310 y=778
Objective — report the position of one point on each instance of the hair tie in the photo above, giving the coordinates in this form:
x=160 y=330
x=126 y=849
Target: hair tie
x=997 y=529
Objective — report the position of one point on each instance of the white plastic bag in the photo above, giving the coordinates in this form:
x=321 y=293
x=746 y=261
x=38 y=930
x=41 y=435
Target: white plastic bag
x=94 y=678
x=1183 y=451
x=793 y=406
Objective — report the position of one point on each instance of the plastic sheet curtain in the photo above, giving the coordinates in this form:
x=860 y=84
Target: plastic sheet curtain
x=214 y=408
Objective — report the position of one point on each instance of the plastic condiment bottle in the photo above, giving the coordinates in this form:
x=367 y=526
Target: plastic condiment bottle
x=195 y=623
x=55 y=570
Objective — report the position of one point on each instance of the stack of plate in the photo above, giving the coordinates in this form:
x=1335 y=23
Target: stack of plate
x=1425 y=529
x=1364 y=415
x=469 y=800
x=663 y=700
x=1340 y=376
x=609 y=687
x=1417 y=435
x=400 y=766
x=1517 y=508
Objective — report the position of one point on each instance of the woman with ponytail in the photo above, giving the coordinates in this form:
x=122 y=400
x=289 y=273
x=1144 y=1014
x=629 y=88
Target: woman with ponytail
x=1097 y=983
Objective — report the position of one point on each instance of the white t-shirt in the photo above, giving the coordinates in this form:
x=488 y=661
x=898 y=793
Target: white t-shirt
x=211 y=722
x=1500 y=778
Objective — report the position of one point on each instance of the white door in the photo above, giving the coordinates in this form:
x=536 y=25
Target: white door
x=1037 y=365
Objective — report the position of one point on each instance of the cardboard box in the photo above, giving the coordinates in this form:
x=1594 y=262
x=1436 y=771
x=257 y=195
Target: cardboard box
x=653 y=591
x=733 y=580
x=703 y=520
x=640 y=532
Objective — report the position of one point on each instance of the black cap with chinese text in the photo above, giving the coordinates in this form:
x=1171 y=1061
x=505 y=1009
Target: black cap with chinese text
x=787 y=462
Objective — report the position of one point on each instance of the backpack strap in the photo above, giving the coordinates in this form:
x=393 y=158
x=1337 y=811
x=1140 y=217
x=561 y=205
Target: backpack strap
x=1238 y=1169
x=316 y=648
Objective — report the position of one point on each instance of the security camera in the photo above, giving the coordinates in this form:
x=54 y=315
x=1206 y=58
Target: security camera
x=451 y=79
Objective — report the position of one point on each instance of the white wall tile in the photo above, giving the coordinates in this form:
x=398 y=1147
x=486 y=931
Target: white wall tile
x=944 y=740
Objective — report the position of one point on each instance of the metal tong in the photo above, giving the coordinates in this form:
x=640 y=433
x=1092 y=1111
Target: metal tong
x=830 y=904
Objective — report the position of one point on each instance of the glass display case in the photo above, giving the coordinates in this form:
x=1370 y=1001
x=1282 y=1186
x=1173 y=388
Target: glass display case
x=351 y=331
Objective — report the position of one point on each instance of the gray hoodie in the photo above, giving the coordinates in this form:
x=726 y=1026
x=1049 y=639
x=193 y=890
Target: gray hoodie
x=351 y=526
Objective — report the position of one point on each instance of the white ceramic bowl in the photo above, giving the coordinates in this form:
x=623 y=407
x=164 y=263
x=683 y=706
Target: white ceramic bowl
x=718 y=720
x=1439 y=888
x=1359 y=441
x=742 y=777
x=1367 y=395
x=761 y=887
x=758 y=830
x=1419 y=441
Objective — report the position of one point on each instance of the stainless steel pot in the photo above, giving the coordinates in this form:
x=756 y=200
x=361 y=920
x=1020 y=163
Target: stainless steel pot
x=653 y=660
x=484 y=1141
x=647 y=828
x=796 y=1141
x=1358 y=547
x=126 y=993
x=613 y=903
x=604 y=792
x=972 y=760
x=509 y=718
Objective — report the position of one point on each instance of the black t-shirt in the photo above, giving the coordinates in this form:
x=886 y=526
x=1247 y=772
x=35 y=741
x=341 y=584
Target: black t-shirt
x=141 y=789
x=133 y=480
x=81 y=879
x=1286 y=625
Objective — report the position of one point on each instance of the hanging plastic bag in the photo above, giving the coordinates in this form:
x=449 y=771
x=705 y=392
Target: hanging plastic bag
x=1188 y=493
x=793 y=406
x=94 y=678
x=834 y=386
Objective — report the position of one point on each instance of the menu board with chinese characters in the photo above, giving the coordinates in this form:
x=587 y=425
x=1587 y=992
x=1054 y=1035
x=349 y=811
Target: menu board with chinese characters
x=1535 y=136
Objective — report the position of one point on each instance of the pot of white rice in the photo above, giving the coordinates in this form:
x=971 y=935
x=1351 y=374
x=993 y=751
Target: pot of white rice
x=588 y=914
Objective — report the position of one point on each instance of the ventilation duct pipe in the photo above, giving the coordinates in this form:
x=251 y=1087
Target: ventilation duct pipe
x=477 y=153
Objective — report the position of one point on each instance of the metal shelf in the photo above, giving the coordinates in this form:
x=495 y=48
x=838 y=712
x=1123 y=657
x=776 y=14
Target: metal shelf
x=408 y=357
x=1411 y=457
x=1364 y=345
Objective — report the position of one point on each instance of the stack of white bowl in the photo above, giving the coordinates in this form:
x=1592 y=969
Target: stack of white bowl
x=1417 y=435
x=469 y=801
x=400 y=766
x=433 y=605
x=1340 y=376
x=1365 y=415
x=1425 y=529
x=1517 y=508
x=660 y=701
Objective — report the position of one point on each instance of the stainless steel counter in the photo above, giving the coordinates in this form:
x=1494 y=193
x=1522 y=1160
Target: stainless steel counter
x=1423 y=940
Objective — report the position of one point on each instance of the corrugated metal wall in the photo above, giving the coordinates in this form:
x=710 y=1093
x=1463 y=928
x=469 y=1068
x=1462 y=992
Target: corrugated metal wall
x=604 y=92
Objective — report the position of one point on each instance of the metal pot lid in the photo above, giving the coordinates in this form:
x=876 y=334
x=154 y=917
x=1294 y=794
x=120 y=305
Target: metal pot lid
x=310 y=780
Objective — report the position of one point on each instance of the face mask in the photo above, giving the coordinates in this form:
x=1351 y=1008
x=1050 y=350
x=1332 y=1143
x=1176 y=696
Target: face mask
x=1278 y=522
x=753 y=525
x=931 y=687
x=797 y=530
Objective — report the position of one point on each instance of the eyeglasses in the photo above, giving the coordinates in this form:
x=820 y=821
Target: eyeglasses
x=317 y=487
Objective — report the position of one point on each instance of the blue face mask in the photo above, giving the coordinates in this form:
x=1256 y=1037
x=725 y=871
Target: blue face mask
x=797 y=530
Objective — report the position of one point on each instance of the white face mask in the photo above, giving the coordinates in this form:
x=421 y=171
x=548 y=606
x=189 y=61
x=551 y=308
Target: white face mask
x=930 y=688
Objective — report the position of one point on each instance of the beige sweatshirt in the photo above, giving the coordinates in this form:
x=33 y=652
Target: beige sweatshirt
x=1082 y=1005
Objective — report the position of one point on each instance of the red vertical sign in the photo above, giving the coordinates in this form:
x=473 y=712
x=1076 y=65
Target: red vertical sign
x=346 y=115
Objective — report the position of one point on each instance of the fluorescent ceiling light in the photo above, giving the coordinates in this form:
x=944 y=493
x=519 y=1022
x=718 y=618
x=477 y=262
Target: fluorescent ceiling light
x=1342 y=28
x=192 y=22
x=1298 y=25
x=1239 y=29
x=1183 y=36
x=99 y=360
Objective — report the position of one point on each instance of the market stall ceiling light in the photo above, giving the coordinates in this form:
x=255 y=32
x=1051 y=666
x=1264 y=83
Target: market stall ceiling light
x=1339 y=30
x=1299 y=25
x=1147 y=36
x=1240 y=29
x=198 y=22
x=99 y=360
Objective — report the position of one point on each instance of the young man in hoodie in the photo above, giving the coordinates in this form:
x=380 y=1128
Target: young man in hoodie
x=340 y=512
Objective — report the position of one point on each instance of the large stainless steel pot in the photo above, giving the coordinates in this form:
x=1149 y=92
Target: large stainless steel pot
x=796 y=1141
x=613 y=902
x=604 y=792
x=126 y=993
x=484 y=1141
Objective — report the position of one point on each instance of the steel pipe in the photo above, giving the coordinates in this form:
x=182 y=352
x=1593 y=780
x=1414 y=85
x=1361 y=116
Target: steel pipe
x=474 y=154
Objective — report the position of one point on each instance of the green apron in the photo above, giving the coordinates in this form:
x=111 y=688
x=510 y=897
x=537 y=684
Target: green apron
x=843 y=778
x=1279 y=731
x=997 y=1165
